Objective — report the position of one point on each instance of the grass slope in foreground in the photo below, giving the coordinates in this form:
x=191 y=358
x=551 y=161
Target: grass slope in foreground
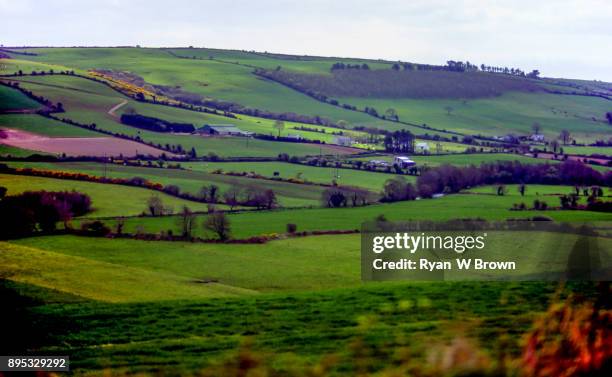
x=299 y=328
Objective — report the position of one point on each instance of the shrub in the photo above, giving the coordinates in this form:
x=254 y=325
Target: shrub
x=95 y=229
x=291 y=228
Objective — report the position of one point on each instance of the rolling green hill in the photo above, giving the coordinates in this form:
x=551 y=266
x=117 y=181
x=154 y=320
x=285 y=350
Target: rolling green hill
x=191 y=181
x=222 y=78
x=276 y=293
x=89 y=102
x=107 y=200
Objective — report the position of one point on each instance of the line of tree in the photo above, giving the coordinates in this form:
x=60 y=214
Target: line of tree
x=452 y=179
x=345 y=196
x=253 y=195
x=341 y=65
x=155 y=124
x=401 y=141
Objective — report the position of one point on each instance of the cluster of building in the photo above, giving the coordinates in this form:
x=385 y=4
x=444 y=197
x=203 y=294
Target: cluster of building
x=403 y=162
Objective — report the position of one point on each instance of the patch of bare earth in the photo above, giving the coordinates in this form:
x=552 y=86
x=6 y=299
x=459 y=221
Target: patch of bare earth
x=76 y=146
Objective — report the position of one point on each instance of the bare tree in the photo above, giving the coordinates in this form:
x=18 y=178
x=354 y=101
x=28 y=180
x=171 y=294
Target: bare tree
x=209 y=193
x=565 y=137
x=232 y=196
x=155 y=206
x=119 y=224
x=536 y=128
x=279 y=125
x=554 y=145
x=186 y=222
x=219 y=224
x=449 y=109
x=391 y=113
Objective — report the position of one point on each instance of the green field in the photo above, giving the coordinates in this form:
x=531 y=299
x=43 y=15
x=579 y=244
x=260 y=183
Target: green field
x=344 y=177
x=44 y=126
x=88 y=102
x=210 y=78
x=6 y=150
x=510 y=113
x=11 y=99
x=588 y=150
x=302 y=315
x=107 y=200
x=288 y=194
x=484 y=206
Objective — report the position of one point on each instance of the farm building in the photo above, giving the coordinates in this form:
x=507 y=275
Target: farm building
x=222 y=130
x=537 y=137
x=403 y=161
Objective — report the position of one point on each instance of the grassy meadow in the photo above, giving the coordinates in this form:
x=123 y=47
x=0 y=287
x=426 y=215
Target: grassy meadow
x=144 y=305
x=11 y=99
x=108 y=200
x=43 y=126
x=89 y=102
x=191 y=181
x=511 y=112
x=481 y=205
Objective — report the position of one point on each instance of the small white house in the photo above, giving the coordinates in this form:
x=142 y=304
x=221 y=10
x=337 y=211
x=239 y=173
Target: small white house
x=422 y=147
x=537 y=137
x=403 y=161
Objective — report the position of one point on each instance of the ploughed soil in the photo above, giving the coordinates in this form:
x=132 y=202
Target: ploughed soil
x=76 y=146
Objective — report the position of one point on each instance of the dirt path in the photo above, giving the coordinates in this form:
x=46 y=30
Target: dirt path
x=111 y=112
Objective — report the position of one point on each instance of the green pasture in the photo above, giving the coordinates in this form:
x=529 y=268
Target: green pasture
x=43 y=126
x=288 y=194
x=306 y=64
x=12 y=99
x=8 y=151
x=11 y=66
x=297 y=328
x=483 y=205
x=509 y=113
x=146 y=304
x=210 y=78
x=107 y=199
x=587 y=150
x=106 y=281
x=88 y=102
x=345 y=177
x=295 y=264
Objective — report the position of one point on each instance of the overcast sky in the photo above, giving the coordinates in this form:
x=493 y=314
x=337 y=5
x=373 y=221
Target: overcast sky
x=561 y=38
